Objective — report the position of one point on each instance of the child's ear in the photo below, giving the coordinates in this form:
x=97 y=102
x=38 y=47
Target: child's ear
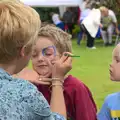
x=22 y=51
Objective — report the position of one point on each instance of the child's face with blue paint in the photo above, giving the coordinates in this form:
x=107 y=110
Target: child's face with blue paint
x=43 y=55
x=115 y=65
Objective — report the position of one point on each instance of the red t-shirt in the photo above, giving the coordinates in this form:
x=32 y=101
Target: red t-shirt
x=78 y=98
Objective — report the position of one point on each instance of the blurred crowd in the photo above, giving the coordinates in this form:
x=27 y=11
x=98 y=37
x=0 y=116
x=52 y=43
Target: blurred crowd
x=93 y=20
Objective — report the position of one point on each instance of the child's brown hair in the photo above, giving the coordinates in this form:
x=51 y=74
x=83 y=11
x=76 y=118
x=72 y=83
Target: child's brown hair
x=61 y=39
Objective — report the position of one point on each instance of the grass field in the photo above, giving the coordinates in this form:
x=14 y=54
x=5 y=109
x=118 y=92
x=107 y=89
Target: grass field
x=93 y=69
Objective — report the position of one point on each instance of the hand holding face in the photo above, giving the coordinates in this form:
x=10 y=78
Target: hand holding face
x=59 y=69
x=62 y=66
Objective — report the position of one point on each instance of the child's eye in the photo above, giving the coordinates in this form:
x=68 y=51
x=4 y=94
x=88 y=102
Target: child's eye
x=48 y=54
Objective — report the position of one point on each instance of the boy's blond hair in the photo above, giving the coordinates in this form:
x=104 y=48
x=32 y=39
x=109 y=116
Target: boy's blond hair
x=19 y=26
x=61 y=39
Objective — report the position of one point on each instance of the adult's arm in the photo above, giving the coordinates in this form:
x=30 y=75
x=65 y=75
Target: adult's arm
x=59 y=70
x=38 y=105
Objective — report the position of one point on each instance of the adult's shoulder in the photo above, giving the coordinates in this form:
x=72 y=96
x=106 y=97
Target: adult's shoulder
x=24 y=85
x=33 y=98
x=25 y=88
x=111 y=13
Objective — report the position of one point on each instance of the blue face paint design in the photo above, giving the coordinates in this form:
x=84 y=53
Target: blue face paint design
x=49 y=51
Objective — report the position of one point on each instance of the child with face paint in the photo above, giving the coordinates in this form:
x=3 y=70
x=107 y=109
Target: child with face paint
x=53 y=43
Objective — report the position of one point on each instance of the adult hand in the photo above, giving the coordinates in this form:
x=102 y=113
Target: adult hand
x=62 y=66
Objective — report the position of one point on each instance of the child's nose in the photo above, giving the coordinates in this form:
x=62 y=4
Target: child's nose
x=41 y=57
x=111 y=64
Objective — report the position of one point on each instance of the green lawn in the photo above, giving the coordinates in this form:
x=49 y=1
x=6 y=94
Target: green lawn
x=93 y=69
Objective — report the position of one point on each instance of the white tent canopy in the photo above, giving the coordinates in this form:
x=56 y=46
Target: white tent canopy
x=62 y=4
x=52 y=3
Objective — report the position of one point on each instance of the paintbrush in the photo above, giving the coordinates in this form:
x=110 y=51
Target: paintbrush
x=66 y=54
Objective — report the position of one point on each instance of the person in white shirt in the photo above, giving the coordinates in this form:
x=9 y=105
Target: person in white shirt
x=109 y=25
x=91 y=24
x=56 y=20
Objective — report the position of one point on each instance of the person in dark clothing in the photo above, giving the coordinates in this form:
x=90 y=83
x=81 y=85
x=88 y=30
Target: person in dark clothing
x=68 y=18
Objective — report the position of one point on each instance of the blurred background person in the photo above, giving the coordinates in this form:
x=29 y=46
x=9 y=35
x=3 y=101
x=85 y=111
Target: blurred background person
x=84 y=4
x=90 y=25
x=83 y=15
x=68 y=18
x=57 y=21
x=109 y=26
